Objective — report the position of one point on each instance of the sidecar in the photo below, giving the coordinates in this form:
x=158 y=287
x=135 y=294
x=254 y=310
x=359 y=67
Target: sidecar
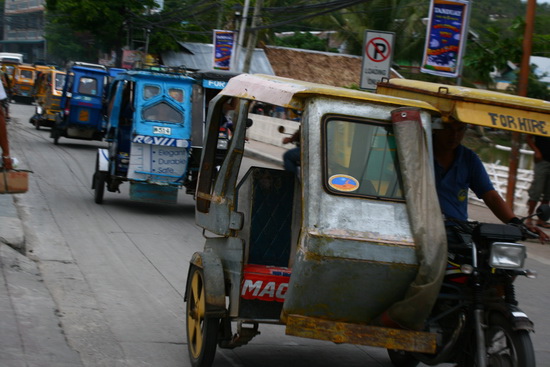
x=149 y=130
x=48 y=89
x=350 y=251
x=81 y=105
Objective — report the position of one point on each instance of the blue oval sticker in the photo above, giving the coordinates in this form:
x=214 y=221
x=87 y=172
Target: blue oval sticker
x=343 y=183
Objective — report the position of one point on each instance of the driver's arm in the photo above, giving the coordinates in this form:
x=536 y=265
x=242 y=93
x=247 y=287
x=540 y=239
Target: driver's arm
x=498 y=206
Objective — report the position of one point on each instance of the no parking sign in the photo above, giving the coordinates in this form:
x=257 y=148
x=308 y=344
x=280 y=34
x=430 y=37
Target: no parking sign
x=377 y=58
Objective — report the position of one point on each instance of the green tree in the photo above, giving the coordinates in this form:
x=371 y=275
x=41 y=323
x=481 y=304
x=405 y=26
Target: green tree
x=304 y=40
x=103 y=20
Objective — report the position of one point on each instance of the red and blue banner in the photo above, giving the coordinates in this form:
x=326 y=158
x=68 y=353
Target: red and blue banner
x=446 y=38
x=223 y=48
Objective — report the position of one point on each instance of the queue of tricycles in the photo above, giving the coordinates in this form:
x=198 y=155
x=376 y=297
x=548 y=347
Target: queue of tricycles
x=353 y=249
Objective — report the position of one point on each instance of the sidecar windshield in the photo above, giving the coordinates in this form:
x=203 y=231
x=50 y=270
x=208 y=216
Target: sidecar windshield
x=361 y=159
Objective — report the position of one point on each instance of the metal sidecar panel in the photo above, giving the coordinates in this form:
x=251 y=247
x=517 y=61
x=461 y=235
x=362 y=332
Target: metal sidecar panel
x=361 y=250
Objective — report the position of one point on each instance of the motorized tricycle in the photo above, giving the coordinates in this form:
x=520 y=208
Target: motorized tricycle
x=82 y=98
x=23 y=83
x=48 y=89
x=149 y=130
x=353 y=250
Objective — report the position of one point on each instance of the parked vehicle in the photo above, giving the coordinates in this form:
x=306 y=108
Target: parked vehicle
x=48 y=89
x=82 y=98
x=338 y=253
x=11 y=57
x=8 y=61
x=149 y=130
x=23 y=83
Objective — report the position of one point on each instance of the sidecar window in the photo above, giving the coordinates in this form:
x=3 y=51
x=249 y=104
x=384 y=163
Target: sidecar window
x=150 y=91
x=87 y=86
x=59 y=81
x=361 y=159
x=162 y=112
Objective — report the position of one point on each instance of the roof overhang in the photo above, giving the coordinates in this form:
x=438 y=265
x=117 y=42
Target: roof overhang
x=476 y=106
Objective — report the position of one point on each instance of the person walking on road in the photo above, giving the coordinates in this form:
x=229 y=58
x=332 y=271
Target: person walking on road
x=540 y=187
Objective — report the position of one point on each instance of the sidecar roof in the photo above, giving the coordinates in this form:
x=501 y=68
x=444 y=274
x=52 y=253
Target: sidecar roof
x=476 y=106
x=291 y=93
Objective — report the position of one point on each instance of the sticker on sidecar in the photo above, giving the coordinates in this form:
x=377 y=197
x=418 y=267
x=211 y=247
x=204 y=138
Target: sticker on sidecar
x=343 y=183
x=161 y=140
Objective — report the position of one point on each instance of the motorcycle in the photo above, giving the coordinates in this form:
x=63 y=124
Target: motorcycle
x=476 y=314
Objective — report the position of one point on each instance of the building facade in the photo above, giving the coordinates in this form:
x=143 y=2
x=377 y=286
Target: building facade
x=24 y=22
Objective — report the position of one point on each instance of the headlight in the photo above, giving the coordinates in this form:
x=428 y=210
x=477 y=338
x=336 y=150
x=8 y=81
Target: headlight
x=505 y=255
x=222 y=144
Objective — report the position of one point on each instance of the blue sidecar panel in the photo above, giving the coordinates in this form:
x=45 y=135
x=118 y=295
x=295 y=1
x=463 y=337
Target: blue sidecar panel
x=152 y=193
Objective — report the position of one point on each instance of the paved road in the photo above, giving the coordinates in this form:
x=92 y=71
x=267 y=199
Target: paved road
x=106 y=284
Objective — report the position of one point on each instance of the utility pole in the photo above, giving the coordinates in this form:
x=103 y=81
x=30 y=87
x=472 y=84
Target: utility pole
x=525 y=69
x=241 y=35
x=253 y=37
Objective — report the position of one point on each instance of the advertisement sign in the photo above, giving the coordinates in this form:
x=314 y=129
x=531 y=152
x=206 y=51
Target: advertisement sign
x=162 y=162
x=377 y=58
x=446 y=38
x=223 y=48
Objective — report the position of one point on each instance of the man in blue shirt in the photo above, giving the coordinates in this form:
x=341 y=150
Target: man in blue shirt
x=458 y=169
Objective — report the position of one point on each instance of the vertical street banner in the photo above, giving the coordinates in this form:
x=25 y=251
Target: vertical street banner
x=446 y=38
x=223 y=48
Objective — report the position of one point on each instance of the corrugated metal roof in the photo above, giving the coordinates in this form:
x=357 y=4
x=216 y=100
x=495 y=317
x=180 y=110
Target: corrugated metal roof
x=199 y=56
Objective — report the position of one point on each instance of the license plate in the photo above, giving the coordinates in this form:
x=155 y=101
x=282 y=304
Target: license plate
x=162 y=130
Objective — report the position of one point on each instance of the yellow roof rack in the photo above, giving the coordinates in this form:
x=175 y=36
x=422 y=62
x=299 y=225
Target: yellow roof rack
x=476 y=106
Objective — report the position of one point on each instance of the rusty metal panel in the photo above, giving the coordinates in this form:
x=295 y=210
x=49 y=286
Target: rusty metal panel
x=341 y=332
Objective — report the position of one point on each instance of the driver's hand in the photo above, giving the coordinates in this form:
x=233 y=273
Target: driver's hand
x=543 y=237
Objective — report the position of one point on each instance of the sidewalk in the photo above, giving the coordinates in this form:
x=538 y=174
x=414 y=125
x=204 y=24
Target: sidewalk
x=30 y=335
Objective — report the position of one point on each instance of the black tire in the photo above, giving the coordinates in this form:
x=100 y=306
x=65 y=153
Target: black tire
x=508 y=347
x=99 y=186
x=400 y=358
x=55 y=135
x=37 y=123
x=202 y=331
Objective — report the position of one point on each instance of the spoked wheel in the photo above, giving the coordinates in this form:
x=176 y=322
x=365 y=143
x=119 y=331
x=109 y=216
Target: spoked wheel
x=99 y=186
x=202 y=331
x=507 y=347
x=400 y=358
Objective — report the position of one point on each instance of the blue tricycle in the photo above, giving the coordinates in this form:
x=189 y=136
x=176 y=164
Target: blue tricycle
x=149 y=129
x=81 y=115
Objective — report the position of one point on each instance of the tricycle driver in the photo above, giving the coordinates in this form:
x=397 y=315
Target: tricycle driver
x=458 y=169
